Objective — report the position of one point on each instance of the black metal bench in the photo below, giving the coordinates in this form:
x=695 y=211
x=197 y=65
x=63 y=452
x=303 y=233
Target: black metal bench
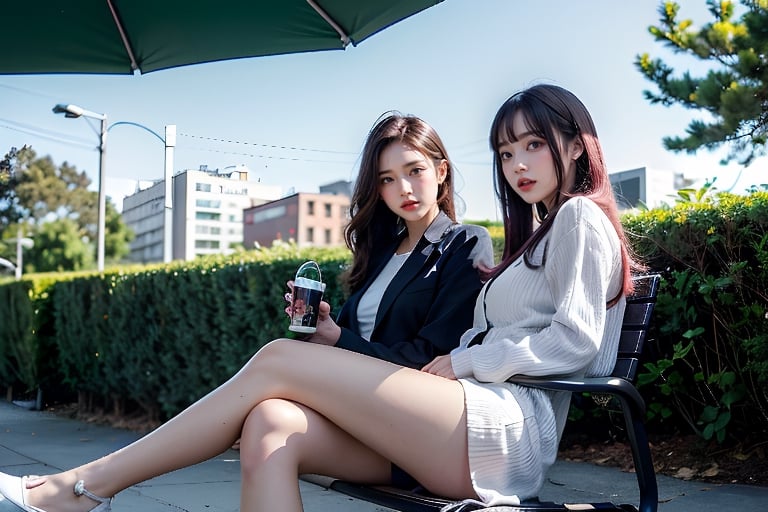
x=620 y=384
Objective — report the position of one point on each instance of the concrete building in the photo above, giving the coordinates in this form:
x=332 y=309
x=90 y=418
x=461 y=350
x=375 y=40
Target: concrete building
x=308 y=219
x=207 y=213
x=645 y=186
x=143 y=213
x=342 y=187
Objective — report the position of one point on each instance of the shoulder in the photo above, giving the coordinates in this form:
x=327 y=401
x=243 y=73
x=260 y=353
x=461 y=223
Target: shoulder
x=580 y=206
x=473 y=230
x=581 y=211
x=478 y=240
x=581 y=217
x=444 y=231
x=466 y=233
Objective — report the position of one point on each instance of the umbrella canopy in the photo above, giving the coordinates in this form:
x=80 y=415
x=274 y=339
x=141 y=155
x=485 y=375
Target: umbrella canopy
x=130 y=36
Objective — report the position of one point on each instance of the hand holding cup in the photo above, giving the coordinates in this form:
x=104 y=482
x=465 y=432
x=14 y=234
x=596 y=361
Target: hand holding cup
x=305 y=297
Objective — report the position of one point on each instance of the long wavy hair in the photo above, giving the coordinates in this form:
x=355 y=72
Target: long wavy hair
x=373 y=225
x=559 y=117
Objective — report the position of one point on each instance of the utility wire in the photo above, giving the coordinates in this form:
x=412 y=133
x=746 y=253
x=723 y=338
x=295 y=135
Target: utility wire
x=271 y=146
x=269 y=157
x=38 y=132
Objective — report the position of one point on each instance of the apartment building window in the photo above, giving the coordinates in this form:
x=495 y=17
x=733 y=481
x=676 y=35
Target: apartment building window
x=207 y=230
x=206 y=244
x=238 y=191
x=310 y=208
x=327 y=237
x=208 y=203
x=310 y=235
x=207 y=216
x=328 y=210
x=203 y=187
x=267 y=214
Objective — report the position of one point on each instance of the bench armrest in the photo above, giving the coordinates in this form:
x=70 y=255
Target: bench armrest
x=621 y=388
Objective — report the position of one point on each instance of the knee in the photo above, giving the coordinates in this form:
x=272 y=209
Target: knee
x=269 y=356
x=269 y=435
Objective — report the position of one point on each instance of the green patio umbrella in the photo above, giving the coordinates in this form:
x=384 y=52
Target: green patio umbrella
x=141 y=36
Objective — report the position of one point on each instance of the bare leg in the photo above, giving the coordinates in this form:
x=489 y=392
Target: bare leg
x=283 y=439
x=409 y=417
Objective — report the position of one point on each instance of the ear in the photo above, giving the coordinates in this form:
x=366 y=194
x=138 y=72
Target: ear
x=577 y=149
x=442 y=171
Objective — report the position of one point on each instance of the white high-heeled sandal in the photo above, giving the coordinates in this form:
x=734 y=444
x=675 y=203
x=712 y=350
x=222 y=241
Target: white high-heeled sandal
x=13 y=495
x=104 y=504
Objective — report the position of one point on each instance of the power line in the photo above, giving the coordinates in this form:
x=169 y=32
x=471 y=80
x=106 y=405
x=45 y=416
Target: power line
x=269 y=157
x=271 y=146
x=483 y=141
x=27 y=91
x=39 y=132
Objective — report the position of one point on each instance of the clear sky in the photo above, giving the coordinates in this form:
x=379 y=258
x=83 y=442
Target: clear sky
x=299 y=121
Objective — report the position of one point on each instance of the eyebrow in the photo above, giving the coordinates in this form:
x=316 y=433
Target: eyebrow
x=406 y=165
x=517 y=138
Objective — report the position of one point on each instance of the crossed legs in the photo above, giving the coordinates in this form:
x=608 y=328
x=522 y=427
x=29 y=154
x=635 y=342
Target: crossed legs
x=283 y=439
x=301 y=405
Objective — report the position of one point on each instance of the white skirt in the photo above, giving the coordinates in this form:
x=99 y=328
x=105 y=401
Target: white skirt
x=512 y=439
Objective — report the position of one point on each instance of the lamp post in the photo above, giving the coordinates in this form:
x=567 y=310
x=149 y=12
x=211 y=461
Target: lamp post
x=170 y=143
x=21 y=243
x=74 y=111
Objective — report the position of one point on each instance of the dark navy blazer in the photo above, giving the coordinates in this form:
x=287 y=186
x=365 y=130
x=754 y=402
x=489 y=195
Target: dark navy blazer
x=430 y=301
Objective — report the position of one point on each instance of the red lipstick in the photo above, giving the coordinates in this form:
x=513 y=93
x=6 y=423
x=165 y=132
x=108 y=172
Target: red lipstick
x=524 y=184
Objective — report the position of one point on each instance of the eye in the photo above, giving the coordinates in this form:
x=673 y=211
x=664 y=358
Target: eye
x=385 y=180
x=505 y=155
x=417 y=171
x=535 y=144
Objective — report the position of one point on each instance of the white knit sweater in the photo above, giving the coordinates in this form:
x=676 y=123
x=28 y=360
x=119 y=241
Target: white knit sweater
x=545 y=321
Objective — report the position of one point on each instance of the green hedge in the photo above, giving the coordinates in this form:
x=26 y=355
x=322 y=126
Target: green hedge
x=18 y=343
x=709 y=370
x=159 y=337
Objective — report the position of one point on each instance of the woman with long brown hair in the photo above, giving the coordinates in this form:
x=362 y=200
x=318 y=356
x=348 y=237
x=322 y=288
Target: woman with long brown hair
x=414 y=273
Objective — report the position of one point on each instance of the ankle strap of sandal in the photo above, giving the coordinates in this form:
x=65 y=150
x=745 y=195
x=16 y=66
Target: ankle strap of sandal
x=80 y=490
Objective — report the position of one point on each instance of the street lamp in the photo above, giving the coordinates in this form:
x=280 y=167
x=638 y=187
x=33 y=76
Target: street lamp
x=21 y=243
x=75 y=111
x=170 y=143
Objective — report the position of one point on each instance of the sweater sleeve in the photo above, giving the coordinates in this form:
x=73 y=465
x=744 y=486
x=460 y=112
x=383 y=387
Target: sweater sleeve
x=450 y=312
x=582 y=267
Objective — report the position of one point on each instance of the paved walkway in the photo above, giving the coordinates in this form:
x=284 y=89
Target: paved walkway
x=33 y=442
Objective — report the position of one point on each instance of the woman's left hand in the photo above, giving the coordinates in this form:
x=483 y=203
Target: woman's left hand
x=328 y=333
x=440 y=366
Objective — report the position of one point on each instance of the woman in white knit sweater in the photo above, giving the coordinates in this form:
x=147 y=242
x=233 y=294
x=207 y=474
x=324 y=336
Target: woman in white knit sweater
x=553 y=306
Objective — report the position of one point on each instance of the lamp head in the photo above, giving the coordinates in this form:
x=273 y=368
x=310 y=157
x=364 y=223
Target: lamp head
x=7 y=264
x=68 y=110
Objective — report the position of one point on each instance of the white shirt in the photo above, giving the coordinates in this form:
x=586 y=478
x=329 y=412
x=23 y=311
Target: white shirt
x=368 y=306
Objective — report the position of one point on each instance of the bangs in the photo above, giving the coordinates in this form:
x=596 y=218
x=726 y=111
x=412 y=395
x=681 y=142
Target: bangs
x=503 y=129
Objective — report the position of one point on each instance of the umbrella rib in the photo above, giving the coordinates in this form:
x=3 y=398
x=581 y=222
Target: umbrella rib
x=327 y=17
x=134 y=64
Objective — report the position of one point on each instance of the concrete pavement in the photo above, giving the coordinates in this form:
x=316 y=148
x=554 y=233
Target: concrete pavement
x=34 y=442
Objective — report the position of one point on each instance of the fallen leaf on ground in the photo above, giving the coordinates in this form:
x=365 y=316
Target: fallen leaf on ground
x=711 y=471
x=685 y=473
